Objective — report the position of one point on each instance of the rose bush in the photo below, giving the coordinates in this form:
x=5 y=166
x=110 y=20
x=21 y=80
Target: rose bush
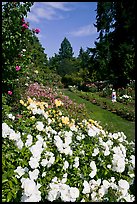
x=49 y=156
x=14 y=37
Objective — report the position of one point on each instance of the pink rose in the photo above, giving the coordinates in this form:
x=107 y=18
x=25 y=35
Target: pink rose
x=37 y=30
x=10 y=93
x=18 y=68
x=24 y=25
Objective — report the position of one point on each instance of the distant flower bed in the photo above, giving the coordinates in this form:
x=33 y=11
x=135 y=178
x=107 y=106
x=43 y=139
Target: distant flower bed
x=49 y=94
x=49 y=156
x=127 y=112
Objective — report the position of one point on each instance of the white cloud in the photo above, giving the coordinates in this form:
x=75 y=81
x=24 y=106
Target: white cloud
x=58 y=5
x=47 y=10
x=47 y=13
x=84 y=31
x=32 y=17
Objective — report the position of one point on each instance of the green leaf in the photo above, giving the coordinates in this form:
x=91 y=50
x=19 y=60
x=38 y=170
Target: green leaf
x=9 y=197
x=10 y=184
x=4 y=180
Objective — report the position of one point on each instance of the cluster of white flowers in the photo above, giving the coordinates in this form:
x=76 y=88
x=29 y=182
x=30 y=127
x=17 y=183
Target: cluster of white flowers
x=58 y=189
x=35 y=110
x=31 y=191
x=80 y=136
x=20 y=171
x=109 y=151
x=105 y=146
x=36 y=151
x=64 y=147
x=12 y=135
x=123 y=187
x=98 y=189
x=94 y=169
x=49 y=159
x=29 y=140
x=125 y=97
x=93 y=131
x=11 y=116
x=39 y=125
x=76 y=164
x=118 y=160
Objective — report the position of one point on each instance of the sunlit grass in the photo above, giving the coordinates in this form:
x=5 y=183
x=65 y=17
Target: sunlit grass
x=108 y=120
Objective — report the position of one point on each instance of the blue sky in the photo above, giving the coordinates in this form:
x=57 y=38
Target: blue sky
x=56 y=20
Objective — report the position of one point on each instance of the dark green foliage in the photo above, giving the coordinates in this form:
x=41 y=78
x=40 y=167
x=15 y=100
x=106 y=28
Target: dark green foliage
x=64 y=62
x=68 y=66
x=65 y=51
x=113 y=58
x=39 y=58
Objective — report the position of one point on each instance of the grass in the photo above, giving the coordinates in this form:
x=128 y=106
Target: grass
x=108 y=120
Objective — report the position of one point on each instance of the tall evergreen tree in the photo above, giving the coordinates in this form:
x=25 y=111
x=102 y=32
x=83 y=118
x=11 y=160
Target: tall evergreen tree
x=66 y=51
x=114 y=55
x=123 y=46
x=84 y=57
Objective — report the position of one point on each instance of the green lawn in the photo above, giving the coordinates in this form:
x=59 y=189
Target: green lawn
x=108 y=120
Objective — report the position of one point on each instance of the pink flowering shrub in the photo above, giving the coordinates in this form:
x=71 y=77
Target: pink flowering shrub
x=49 y=94
x=10 y=93
x=25 y=25
x=18 y=68
x=37 y=30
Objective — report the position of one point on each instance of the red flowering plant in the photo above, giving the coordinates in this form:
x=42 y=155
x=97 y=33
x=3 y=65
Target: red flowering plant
x=13 y=39
x=37 y=30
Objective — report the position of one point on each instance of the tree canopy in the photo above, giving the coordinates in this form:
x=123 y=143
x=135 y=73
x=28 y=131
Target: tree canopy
x=66 y=51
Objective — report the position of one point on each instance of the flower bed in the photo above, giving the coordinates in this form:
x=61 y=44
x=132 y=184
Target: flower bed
x=123 y=110
x=49 y=94
x=49 y=156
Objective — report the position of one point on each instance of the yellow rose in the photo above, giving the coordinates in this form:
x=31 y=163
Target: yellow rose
x=60 y=124
x=32 y=117
x=58 y=103
x=41 y=107
x=45 y=104
x=30 y=100
x=60 y=113
x=53 y=111
x=22 y=102
x=91 y=121
x=65 y=120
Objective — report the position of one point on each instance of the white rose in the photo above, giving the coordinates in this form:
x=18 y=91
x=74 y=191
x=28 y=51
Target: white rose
x=29 y=186
x=34 y=174
x=40 y=126
x=86 y=187
x=66 y=165
x=33 y=163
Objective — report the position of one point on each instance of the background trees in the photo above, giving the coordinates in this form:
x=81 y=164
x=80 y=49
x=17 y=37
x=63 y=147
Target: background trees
x=114 y=55
x=113 y=58
x=64 y=62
